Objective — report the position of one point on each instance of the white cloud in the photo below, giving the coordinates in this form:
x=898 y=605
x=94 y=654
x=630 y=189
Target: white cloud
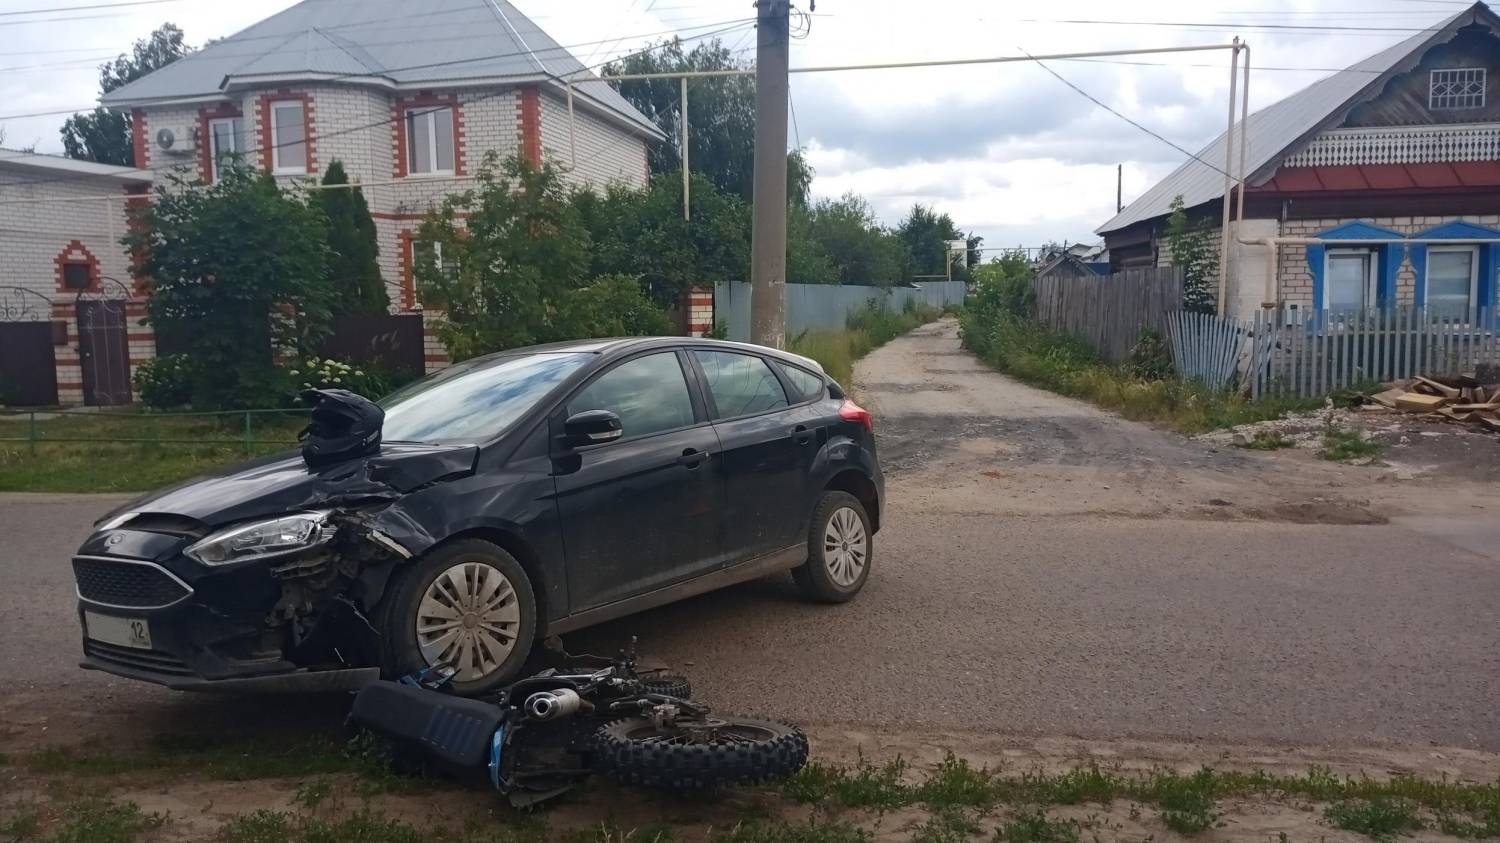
x=1007 y=149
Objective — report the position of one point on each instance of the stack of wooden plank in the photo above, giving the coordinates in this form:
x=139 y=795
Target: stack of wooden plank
x=1460 y=399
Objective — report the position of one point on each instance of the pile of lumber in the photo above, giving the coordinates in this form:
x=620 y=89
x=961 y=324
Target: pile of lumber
x=1460 y=399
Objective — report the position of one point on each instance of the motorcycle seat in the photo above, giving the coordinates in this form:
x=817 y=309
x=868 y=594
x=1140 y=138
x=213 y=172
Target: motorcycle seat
x=455 y=730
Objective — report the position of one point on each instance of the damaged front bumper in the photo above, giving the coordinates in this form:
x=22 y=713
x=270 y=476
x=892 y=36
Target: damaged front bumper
x=149 y=612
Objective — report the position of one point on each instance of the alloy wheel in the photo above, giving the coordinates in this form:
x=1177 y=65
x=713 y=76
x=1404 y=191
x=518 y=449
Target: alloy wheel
x=846 y=547
x=469 y=619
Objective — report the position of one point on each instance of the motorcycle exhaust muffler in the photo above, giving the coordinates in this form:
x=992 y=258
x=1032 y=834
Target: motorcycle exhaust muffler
x=553 y=705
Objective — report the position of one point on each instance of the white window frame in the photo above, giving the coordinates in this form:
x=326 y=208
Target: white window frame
x=213 y=150
x=424 y=118
x=1432 y=81
x=1473 y=251
x=1372 y=280
x=276 y=168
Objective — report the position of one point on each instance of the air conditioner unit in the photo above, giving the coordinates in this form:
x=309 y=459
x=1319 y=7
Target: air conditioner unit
x=175 y=140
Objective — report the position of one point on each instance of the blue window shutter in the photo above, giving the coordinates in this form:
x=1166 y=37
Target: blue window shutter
x=1316 y=263
x=1419 y=263
x=1390 y=264
x=1489 y=268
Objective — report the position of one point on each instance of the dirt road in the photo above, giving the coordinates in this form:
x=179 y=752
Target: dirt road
x=1046 y=570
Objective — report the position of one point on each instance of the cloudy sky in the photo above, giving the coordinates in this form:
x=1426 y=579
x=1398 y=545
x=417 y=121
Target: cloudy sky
x=1009 y=150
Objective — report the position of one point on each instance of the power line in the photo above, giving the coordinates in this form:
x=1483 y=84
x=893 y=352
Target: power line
x=82 y=8
x=1091 y=98
x=313 y=138
x=1257 y=26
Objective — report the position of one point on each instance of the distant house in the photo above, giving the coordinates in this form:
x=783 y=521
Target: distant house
x=410 y=97
x=1374 y=187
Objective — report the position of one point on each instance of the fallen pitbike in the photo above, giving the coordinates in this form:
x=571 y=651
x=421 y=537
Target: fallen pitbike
x=539 y=736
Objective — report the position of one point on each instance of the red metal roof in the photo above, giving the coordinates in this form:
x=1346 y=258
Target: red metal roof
x=1459 y=174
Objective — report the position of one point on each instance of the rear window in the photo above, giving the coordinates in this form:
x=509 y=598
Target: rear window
x=806 y=384
x=741 y=384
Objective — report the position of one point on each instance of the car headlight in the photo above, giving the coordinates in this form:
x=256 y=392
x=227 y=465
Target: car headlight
x=264 y=539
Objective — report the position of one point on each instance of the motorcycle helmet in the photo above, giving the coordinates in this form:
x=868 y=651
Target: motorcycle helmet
x=343 y=426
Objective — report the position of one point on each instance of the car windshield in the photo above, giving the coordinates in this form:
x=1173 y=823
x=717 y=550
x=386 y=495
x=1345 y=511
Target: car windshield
x=475 y=400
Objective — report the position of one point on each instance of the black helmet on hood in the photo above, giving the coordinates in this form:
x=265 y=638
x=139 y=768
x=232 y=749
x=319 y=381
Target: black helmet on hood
x=343 y=426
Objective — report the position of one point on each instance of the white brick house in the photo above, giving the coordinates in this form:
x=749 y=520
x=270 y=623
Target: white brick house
x=69 y=306
x=410 y=97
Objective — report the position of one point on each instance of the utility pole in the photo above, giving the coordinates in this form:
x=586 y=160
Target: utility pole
x=768 y=230
x=1119 y=188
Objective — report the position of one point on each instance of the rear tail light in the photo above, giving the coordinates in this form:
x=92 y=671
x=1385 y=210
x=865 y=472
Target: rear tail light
x=850 y=411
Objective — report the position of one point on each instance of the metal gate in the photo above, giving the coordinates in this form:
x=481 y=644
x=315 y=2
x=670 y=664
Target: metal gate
x=103 y=347
x=28 y=366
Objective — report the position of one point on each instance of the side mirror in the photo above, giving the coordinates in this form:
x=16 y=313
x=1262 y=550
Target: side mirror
x=592 y=427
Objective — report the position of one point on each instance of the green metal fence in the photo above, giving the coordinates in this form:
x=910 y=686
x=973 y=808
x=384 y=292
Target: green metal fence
x=254 y=430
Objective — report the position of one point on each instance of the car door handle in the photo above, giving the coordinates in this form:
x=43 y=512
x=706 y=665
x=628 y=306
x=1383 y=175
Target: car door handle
x=692 y=458
x=801 y=435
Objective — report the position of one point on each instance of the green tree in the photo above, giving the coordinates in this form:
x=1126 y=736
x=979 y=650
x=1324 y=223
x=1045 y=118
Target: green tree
x=239 y=270
x=861 y=251
x=721 y=116
x=1193 y=249
x=517 y=272
x=354 y=265
x=103 y=135
x=926 y=234
x=642 y=233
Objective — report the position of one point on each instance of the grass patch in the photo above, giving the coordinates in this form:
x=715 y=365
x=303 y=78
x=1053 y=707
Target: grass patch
x=1380 y=818
x=19 y=823
x=813 y=831
x=1185 y=803
x=1035 y=826
x=231 y=759
x=103 y=821
x=130 y=451
x=1268 y=440
x=948 y=825
x=1341 y=445
x=867 y=328
x=1028 y=352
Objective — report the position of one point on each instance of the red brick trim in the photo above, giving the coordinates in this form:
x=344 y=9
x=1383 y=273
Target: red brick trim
x=408 y=273
x=309 y=127
x=73 y=254
x=138 y=136
x=411 y=216
x=135 y=205
x=205 y=137
x=529 y=114
x=427 y=99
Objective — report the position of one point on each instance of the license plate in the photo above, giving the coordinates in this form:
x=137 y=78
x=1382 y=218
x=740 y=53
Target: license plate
x=122 y=632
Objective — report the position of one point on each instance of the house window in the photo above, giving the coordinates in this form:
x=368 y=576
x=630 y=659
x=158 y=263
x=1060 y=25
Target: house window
x=75 y=276
x=288 y=137
x=226 y=144
x=1350 y=280
x=429 y=147
x=1457 y=88
x=431 y=253
x=1452 y=280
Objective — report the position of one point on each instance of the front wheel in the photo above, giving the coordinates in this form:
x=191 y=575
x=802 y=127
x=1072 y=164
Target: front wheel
x=698 y=754
x=839 y=547
x=466 y=605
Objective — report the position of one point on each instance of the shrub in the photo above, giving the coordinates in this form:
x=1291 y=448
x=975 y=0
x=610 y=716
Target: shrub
x=320 y=373
x=165 y=382
x=1151 y=358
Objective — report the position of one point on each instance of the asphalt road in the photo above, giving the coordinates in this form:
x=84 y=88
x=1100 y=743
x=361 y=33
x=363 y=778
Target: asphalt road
x=1044 y=569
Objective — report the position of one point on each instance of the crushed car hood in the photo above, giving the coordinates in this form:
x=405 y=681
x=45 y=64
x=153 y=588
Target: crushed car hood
x=284 y=482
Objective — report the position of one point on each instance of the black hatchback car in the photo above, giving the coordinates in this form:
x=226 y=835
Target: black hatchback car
x=515 y=496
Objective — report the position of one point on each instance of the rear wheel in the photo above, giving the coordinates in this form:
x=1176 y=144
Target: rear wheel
x=839 y=549
x=468 y=605
x=699 y=754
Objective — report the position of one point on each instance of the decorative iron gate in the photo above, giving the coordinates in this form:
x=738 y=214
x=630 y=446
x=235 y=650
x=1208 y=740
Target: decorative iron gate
x=103 y=345
x=28 y=366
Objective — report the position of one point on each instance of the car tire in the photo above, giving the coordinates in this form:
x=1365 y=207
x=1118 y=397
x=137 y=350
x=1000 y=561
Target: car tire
x=484 y=590
x=840 y=547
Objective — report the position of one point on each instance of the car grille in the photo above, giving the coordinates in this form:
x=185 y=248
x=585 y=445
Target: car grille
x=135 y=585
x=152 y=660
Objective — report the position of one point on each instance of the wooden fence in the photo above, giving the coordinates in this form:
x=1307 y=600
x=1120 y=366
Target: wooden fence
x=1313 y=353
x=1109 y=312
